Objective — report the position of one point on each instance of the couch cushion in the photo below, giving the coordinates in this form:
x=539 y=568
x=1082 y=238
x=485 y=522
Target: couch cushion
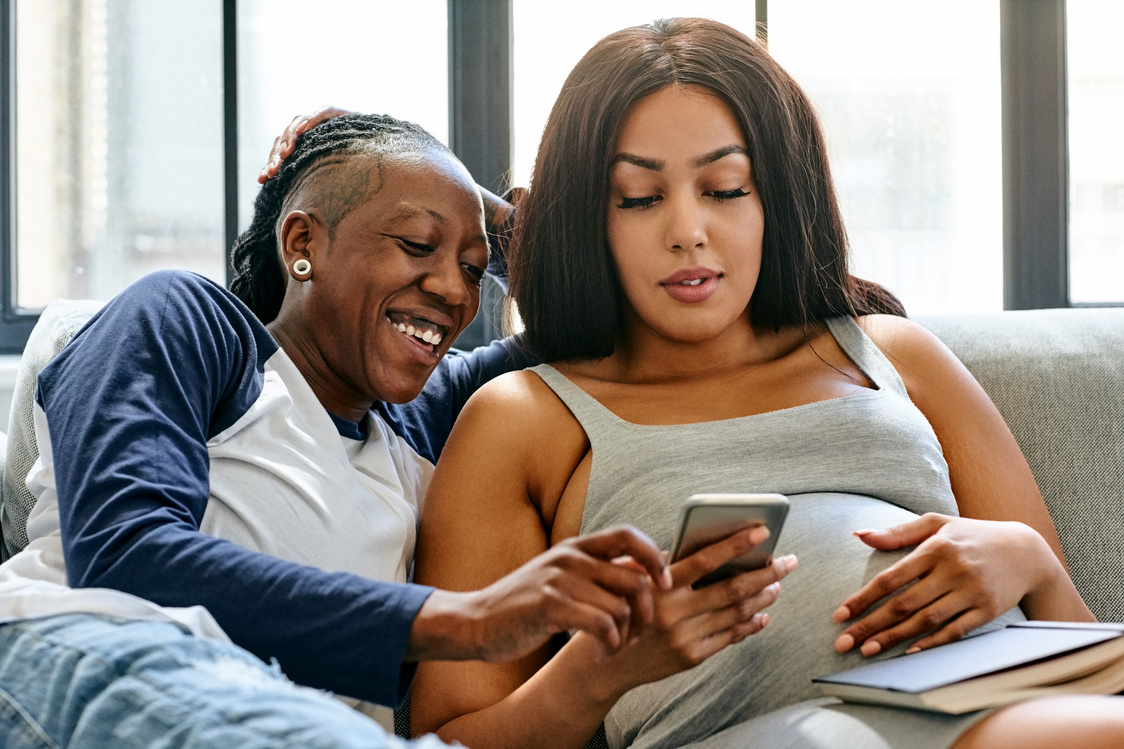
x=59 y=322
x=1057 y=376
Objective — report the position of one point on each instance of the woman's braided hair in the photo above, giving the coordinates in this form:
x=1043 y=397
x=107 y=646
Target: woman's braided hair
x=258 y=278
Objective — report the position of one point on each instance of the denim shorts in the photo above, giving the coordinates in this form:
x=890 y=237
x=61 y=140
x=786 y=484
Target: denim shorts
x=89 y=681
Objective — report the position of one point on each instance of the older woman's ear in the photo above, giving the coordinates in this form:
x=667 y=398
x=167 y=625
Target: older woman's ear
x=300 y=242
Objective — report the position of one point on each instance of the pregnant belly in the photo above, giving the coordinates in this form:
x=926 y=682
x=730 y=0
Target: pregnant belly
x=775 y=667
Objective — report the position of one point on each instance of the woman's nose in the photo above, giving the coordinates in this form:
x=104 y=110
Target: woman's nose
x=445 y=279
x=686 y=227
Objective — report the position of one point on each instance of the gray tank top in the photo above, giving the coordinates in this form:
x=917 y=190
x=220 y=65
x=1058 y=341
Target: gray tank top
x=868 y=460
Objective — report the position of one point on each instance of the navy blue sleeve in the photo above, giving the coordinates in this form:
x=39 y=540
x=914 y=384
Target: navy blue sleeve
x=130 y=404
x=426 y=421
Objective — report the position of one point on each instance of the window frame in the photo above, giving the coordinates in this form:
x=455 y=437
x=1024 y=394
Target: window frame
x=15 y=324
x=1035 y=175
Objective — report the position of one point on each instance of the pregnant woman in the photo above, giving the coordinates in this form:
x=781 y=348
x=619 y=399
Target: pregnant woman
x=681 y=265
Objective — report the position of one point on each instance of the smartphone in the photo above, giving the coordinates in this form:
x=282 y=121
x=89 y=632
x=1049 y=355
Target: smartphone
x=707 y=518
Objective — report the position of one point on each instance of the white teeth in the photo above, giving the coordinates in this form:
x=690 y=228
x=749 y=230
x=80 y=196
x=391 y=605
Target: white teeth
x=429 y=336
x=696 y=282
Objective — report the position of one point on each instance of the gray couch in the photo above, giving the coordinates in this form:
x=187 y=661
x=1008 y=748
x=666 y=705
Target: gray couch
x=1057 y=377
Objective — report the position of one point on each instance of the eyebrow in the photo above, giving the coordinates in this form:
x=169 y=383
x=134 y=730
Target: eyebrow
x=657 y=165
x=406 y=212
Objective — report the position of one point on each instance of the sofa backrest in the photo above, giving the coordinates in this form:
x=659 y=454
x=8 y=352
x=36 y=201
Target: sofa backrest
x=1057 y=376
x=59 y=322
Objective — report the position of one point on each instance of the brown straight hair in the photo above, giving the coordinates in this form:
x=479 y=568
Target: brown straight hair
x=563 y=278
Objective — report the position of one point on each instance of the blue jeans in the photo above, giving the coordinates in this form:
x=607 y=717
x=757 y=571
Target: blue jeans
x=82 y=680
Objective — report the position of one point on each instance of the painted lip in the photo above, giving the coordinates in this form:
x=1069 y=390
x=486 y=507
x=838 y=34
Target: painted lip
x=677 y=287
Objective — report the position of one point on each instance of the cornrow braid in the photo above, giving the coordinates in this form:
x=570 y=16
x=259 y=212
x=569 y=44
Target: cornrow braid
x=258 y=279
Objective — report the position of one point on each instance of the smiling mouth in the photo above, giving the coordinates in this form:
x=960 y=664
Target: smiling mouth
x=418 y=328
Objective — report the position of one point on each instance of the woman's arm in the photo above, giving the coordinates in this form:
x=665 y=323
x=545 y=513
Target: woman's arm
x=514 y=448
x=130 y=405
x=1001 y=552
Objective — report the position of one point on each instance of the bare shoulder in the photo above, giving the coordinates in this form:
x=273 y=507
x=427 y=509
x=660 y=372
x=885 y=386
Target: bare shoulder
x=514 y=401
x=900 y=335
x=525 y=435
x=919 y=356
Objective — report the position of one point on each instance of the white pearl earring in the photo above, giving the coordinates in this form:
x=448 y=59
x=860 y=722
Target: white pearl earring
x=302 y=268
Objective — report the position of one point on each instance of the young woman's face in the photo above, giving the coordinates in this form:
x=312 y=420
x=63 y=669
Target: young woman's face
x=685 y=221
x=399 y=278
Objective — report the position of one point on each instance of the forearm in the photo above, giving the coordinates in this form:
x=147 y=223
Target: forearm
x=445 y=629
x=561 y=706
x=496 y=209
x=1056 y=598
x=499 y=220
x=332 y=631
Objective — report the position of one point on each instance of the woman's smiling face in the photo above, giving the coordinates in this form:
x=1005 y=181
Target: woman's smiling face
x=685 y=222
x=397 y=280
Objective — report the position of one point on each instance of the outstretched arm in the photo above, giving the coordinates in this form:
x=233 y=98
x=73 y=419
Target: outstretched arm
x=1003 y=550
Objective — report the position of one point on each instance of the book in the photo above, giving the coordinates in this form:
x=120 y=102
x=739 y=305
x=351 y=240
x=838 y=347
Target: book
x=1020 y=661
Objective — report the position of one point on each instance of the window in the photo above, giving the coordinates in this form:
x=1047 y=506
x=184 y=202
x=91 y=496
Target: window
x=549 y=39
x=1096 y=151
x=359 y=55
x=118 y=145
x=117 y=139
x=913 y=130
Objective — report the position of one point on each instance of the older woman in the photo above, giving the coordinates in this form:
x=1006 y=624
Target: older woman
x=263 y=457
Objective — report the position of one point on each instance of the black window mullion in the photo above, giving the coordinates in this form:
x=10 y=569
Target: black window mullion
x=1035 y=154
x=15 y=325
x=480 y=119
x=230 y=126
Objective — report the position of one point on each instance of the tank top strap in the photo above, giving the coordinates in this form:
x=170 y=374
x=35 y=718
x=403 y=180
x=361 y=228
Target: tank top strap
x=866 y=356
x=594 y=418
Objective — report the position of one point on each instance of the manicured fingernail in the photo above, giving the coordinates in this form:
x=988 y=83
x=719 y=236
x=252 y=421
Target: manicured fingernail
x=758 y=534
x=871 y=647
x=913 y=649
x=790 y=563
x=844 y=643
x=841 y=615
x=863 y=532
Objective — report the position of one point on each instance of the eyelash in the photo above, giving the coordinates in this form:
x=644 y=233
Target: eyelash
x=416 y=247
x=476 y=274
x=729 y=194
x=648 y=202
